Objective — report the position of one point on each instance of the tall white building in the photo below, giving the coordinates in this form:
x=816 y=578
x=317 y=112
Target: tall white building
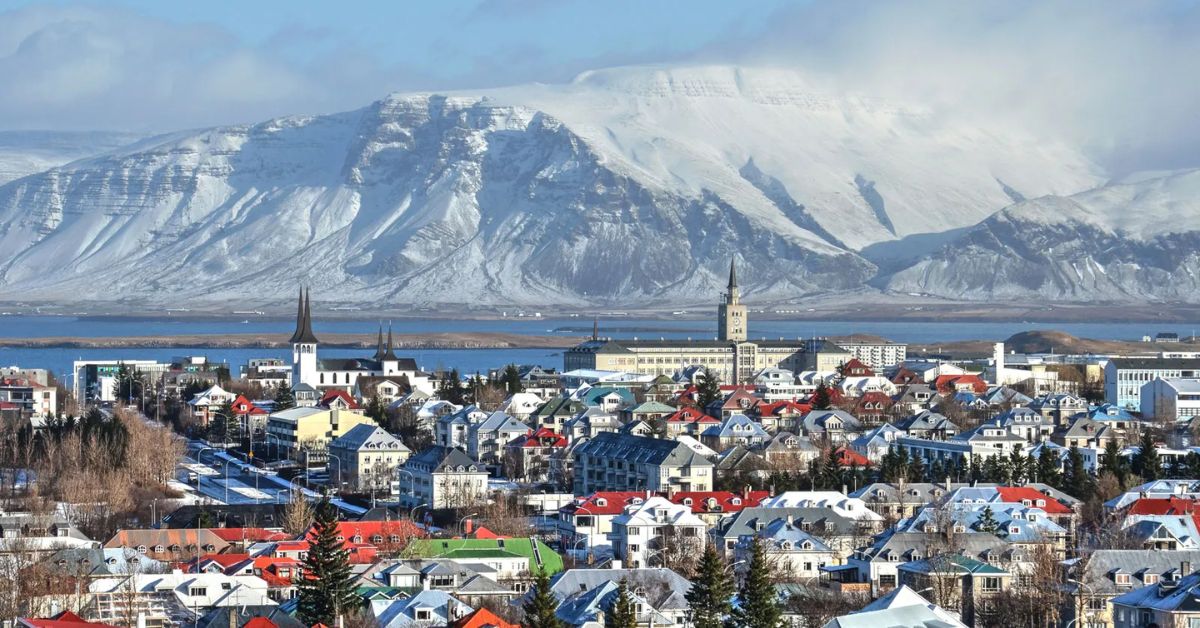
x=1124 y=377
x=1167 y=399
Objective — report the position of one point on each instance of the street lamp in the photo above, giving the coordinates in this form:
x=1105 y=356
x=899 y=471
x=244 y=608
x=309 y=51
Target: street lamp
x=462 y=522
x=1082 y=607
x=328 y=459
x=142 y=397
x=412 y=482
x=412 y=514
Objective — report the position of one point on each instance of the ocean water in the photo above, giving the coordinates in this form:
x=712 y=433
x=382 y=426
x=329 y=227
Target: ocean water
x=921 y=334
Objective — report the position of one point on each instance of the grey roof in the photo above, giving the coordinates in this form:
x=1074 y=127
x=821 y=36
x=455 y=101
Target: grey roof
x=439 y=457
x=816 y=420
x=912 y=493
x=1155 y=363
x=100 y=562
x=499 y=421
x=739 y=456
x=365 y=435
x=666 y=598
x=642 y=450
x=927 y=420
x=902 y=544
x=1103 y=564
x=304 y=333
x=749 y=520
x=1182 y=596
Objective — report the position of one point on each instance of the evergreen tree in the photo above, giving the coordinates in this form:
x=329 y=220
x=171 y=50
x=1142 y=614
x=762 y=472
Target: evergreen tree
x=1049 y=468
x=326 y=589
x=1146 y=462
x=887 y=466
x=711 y=591
x=284 y=398
x=622 y=613
x=1077 y=482
x=708 y=388
x=987 y=521
x=758 y=602
x=1016 y=468
x=1111 y=461
x=991 y=469
x=511 y=379
x=821 y=399
x=376 y=410
x=541 y=604
x=916 y=469
x=451 y=388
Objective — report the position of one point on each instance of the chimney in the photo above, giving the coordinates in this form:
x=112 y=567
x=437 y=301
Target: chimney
x=746 y=494
x=233 y=617
x=1185 y=568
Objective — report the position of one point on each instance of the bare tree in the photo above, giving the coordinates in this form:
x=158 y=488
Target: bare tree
x=298 y=514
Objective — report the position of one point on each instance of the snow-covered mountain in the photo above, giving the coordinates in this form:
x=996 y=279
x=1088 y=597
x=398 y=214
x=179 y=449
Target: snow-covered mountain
x=1130 y=240
x=23 y=153
x=633 y=186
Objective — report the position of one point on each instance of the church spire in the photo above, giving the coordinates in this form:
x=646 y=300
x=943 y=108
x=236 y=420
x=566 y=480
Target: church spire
x=304 y=333
x=379 y=344
x=389 y=355
x=596 y=328
x=732 y=276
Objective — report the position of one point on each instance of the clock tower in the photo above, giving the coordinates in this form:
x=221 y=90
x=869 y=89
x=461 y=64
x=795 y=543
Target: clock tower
x=731 y=314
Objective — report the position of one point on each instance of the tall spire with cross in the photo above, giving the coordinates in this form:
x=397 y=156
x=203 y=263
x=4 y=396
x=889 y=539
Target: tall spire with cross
x=731 y=314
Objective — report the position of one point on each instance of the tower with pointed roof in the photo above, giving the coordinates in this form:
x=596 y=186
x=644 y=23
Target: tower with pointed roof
x=304 y=345
x=731 y=314
x=389 y=364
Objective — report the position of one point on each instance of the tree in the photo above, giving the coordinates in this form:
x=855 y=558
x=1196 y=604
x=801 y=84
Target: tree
x=541 y=605
x=451 y=388
x=326 y=588
x=622 y=613
x=987 y=521
x=1077 y=482
x=821 y=398
x=1049 y=467
x=284 y=398
x=758 y=602
x=511 y=379
x=708 y=388
x=711 y=591
x=1146 y=462
x=297 y=515
x=377 y=411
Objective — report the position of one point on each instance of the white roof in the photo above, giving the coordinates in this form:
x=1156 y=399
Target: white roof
x=849 y=507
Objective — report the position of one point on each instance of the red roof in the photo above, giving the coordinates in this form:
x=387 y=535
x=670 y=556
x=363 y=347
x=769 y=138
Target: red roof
x=65 y=619
x=690 y=414
x=855 y=368
x=243 y=406
x=543 y=437
x=268 y=568
x=482 y=618
x=332 y=394
x=372 y=533
x=725 y=501
x=1017 y=494
x=252 y=535
x=224 y=560
x=260 y=622
x=614 y=502
x=783 y=408
x=950 y=383
x=847 y=457
x=1162 y=506
x=906 y=376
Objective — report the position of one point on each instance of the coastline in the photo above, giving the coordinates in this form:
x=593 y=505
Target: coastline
x=473 y=340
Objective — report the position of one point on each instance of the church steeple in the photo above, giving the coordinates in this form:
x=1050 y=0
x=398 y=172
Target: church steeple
x=732 y=294
x=304 y=333
x=388 y=355
x=731 y=314
x=379 y=344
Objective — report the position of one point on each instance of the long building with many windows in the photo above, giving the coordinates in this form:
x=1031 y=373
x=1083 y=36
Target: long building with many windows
x=731 y=355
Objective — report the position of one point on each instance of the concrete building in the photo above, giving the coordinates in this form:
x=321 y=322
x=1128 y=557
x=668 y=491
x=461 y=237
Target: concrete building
x=1124 y=377
x=733 y=356
x=622 y=462
x=311 y=428
x=1170 y=399
x=876 y=355
x=442 y=477
x=657 y=526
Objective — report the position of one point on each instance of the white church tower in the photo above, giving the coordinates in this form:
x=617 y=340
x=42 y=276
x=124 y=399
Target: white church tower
x=304 y=345
x=731 y=314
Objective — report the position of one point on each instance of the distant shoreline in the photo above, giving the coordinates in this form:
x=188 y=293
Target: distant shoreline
x=473 y=340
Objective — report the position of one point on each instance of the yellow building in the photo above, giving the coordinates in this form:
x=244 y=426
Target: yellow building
x=730 y=355
x=311 y=428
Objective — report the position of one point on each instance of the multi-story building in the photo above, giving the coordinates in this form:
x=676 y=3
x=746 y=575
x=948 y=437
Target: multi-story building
x=1170 y=399
x=622 y=462
x=655 y=532
x=311 y=428
x=1124 y=377
x=731 y=355
x=366 y=457
x=985 y=441
x=33 y=399
x=442 y=477
x=876 y=355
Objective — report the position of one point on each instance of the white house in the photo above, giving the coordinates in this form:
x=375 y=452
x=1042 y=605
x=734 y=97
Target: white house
x=1173 y=398
x=655 y=526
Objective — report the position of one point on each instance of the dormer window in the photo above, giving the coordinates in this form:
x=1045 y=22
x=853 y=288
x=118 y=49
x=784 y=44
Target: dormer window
x=600 y=501
x=1122 y=579
x=687 y=501
x=1149 y=578
x=1014 y=530
x=1041 y=503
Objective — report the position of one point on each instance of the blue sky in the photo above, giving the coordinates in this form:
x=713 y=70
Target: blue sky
x=1115 y=76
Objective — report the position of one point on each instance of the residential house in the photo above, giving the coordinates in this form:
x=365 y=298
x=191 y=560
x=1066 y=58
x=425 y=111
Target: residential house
x=736 y=429
x=832 y=426
x=900 y=607
x=963 y=584
x=443 y=477
x=426 y=608
x=796 y=554
x=169 y=545
x=928 y=425
x=486 y=439
x=310 y=429
x=776 y=384
x=657 y=531
x=1108 y=573
x=1165 y=603
x=366 y=458
x=689 y=420
x=385 y=388
x=661 y=589
x=454 y=429
x=877 y=442
x=840 y=533
x=527 y=458
x=586 y=523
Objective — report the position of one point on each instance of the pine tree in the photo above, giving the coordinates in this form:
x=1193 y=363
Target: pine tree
x=711 y=591
x=326 y=588
x=987 y=521
x=1049 y=468
x=622 y=613
x=758 y=602
x=1077 y=482
x=1016 y=468
x=284 y=398
x=377 y=411
x=708 y=388
x=511 y=379
x=541 y=604
x=1111 y=461
x=916 y=469
x=1146 y=463
x=821 y=399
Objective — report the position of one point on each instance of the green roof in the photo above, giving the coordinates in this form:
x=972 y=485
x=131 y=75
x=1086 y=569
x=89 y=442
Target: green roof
x=468 y=549
x=952 y=563
x=653 y=406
